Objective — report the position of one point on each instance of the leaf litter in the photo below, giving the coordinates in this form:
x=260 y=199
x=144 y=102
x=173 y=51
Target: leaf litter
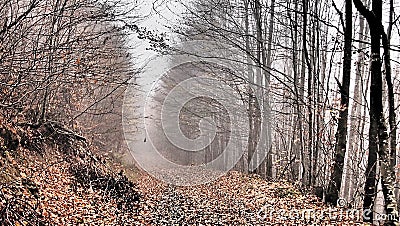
x=50 y=190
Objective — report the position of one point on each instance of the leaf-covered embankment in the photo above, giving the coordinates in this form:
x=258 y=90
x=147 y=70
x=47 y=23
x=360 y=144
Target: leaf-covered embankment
x=51 y=178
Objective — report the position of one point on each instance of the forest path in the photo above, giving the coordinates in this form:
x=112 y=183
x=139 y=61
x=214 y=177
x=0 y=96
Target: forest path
x=45 y=190
x=234 y=199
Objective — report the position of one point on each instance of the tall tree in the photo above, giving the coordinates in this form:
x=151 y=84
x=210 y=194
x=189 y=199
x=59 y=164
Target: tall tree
x=267 y=107
x=353 y=153
x=388 y=72
x=378 y=136
x=344 y=87
x=307 y=180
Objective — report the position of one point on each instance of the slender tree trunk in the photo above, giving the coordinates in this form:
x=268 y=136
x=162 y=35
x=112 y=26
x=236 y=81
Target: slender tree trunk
x=319 y=160
x=353 y=153
x=251 y=144
x=341 y=135
x=392 y=113
x=267 y=105
x=257 y=159
x=388 y=72
x=387 y=153
x=317 y=96
x=307 y=180
x=299 y=95
x=375 y=97
x=301 y=90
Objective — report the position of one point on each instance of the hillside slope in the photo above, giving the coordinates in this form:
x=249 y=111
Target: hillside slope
x=52 y=178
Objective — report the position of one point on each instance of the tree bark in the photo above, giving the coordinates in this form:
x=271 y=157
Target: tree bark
x=378 y=131
x=307 y=180
x=297 y=136
x=341 y=135
x=353 y=153
x=267 y=106
x=251 y=145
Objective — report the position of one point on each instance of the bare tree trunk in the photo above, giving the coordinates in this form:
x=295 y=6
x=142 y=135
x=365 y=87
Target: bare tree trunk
x=297 y=137
x=317 y=96
x=301 y=91
x=388 y=72
x=251 y=145
x=258 y=158
x=341 y=135
x=353 y=153
x=267 y=106
x=319 y=158
x=378 y=131
x=307 y=180
x=392 y=113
